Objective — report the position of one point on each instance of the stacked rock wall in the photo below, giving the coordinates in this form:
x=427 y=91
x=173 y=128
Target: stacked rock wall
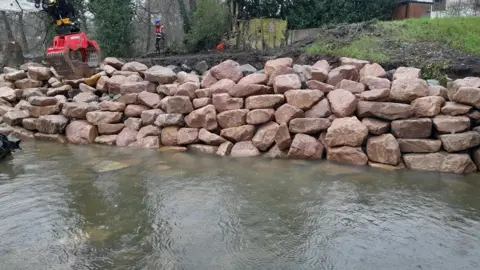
x=356 y=113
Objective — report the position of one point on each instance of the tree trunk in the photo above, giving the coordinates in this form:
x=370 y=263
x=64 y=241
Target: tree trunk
x=8 y=28
x=22 y=32
x=149 y=25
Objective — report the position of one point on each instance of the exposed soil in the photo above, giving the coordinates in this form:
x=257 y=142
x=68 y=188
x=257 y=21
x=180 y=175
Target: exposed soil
x=419 y=54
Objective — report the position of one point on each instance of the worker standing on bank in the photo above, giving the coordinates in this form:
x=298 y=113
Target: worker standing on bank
x=159 y=35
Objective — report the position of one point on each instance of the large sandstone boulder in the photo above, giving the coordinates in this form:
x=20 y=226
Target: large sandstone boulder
x=133 y=123
x=204 y=149
x=271 y=65
x=419 y=145
x=77 y=110
x=374 y=83
x=265 y=136
x=37 y=111
x=85 y=97
x=8 y=94
x=114 y=62
x=134 y=67
x=246 y=90
x=148 y=99
x=384 y=110
x=61 y=90
x=303 y=99
x=28 y=83
x=169 y=136
x=52 y=124
x=351 y=86
x=342 y=102
x=201 y=102
x=407 y=90
x=384 y=149
x=244 y=149
x=205 y=117
x=376 y=126
x=42 y=101
x=224 y=102
x=305 y=147
x=149 y=116
x=373 y=70
x=438 y=90
x=14 y=117
x=256 y=78
x=282 y=138
x=319 y=110
x=451 y=124
x=264 y=101
x=135 y=110
x=170 y=119
x=325 y=88
x=320 y=71
x=358 y=63
x=15 y=75
x=110 y=129
x=39 y=73
x=347 y=155
x=286 y=82
x=177 y=104
x=152 y=142
x=440 y=162
x=347 y=131
x=287 y=112
x=208 y=80
x=232 y=118
x=454 y=109
x=428 y=106
x=345 y=72
x=260 y=116
x=227 y=70
x=147 y=131
x=460 y=142
x=126 y=137
x=160 y=74
x=412 y=128
x=112 y=106
x=29 y=123
x=129 y=87
x=167 y=89
x=407 y=73
x=467 y=95
x=221 y=86
x=188 y=89
x=187 y=136
x=106 y=139
x=81 y=132
x=238 y=134
x=50 y=137
x=375 y=95
x=309 y=125
x=97 y=117
x=224 y=149
x=210 y=138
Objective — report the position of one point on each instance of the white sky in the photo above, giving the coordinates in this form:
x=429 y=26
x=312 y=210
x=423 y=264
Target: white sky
x=11 y=5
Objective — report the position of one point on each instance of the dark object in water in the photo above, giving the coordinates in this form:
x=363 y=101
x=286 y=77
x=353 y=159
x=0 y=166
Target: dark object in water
x=8 y=145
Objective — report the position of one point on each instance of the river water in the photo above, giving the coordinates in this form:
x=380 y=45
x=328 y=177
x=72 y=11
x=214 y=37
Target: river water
x=97 y=207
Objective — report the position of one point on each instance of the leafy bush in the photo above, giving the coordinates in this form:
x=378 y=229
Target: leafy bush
x=210 y=22
x=113 y=26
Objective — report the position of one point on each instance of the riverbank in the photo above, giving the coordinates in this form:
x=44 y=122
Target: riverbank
x=354 y=113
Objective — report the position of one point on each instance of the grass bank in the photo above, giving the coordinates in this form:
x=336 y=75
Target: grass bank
x=421 y=42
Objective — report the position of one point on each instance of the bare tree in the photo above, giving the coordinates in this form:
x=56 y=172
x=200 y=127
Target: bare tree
x=8 y=27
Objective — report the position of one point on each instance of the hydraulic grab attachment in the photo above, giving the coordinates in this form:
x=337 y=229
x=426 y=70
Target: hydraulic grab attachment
x=72 y=55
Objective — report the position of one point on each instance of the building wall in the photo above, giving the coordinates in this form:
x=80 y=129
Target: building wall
x=456 y=8
x=412 y=10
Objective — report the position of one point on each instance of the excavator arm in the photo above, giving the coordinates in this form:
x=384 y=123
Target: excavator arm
x=72 y=55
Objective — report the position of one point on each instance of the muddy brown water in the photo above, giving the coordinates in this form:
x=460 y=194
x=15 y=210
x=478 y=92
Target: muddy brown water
x=95 y=207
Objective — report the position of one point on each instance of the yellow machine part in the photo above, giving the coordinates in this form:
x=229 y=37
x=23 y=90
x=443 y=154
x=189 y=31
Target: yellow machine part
x=64 y=21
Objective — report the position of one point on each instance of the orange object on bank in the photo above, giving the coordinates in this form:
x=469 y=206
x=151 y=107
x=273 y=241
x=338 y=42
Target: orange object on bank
x=220 y=47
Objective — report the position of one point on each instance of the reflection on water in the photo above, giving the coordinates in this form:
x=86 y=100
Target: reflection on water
x=95 y=207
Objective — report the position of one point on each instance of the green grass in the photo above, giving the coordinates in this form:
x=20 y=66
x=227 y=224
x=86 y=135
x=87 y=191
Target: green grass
x=366 y=47
x=462 y=34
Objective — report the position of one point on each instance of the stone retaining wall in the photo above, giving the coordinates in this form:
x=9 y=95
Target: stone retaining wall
x=356 y=113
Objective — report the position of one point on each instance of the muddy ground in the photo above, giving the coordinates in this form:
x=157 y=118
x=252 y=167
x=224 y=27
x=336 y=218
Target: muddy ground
x=454 y=63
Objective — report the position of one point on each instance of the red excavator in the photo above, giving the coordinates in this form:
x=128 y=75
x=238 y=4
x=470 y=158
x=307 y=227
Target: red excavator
x=72 y=55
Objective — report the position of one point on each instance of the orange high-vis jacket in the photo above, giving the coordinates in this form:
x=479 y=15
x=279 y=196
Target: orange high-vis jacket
x=220 y=47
